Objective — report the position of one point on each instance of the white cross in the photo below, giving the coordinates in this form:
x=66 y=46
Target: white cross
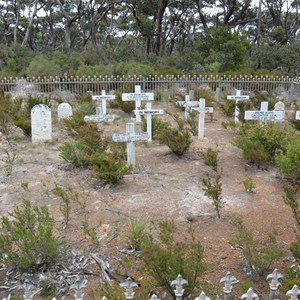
x=138 y=97
x=188 y=105
x=103 y=97
x=298 y=115
x=237 y=97
x=202 y=110
x=149 y=112
x=263 y=114
x=130 y=137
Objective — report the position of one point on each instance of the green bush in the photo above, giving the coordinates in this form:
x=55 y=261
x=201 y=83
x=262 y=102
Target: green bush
x=136 y=234
x=177 y=139
x=290 y=198
x=27 y=240
x=157 y=125
x=73 y=153
x=210 y=158
x=164 y=258
x=288 y=161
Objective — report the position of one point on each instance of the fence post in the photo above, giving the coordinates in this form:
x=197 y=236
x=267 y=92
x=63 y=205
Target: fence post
x=128 y=284
x=104 y=298
x=28 y=290
x=154 y=297
x=250 y=295
x=202 y=296
x=293 y=293
x=276 y=278
x=179 y=282
x=228 y=280
x=78 y=286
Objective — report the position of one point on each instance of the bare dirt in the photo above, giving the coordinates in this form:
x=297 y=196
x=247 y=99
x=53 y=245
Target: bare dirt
x=161 y=187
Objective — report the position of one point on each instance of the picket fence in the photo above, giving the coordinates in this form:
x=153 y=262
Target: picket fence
x=164 y=86
x=275 y=280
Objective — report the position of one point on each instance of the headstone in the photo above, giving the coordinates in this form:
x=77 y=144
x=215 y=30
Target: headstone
x=64 y=110
x=41 y=123
x=138 y=97
x=149 y=112
x=202 y=110
x=188 y=104
x=237 y=97
x=130 y=137
x=264 y=115
x=298 y=115
x=279 y=106
x=103 y=97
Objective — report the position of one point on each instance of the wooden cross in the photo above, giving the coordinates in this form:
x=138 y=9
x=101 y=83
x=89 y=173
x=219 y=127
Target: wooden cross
x=130 y=137
x=263 y=114
x=149 y=112
x=202 y=110
x=188 y=105
x=138 y=97
x=237 y=97
x=103 y=97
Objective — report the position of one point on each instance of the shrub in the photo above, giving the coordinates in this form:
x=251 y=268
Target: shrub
x=249 y=185
x=177 y=139
x=137 y=232
x=288 y=161
x=27 y=240
x=259 y=255
x=165 y=258
x=210 y=158
x=290 y=198
x=192 y=121
x=73 y=153
x=126 y=106
x=157 y=125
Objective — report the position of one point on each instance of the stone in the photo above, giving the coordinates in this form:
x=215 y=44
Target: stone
x=279 y=106
x=64 y=111
x=41 y=123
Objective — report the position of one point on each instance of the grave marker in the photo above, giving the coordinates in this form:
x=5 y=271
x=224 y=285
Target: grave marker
x=138 y=97
x=237 y=97
x=41 y=123
x=149 y=112
x=202 y=110
x=130 y=137
x=188 y=105
x=263 y=115
x=64 y=111
x=298 y=115
x=103 y=97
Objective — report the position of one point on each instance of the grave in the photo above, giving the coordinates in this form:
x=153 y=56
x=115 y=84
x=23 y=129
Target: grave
x=138 y=97
x=99 y=117
x=264 y=114
x=279 y=106
x=237 y=97
x=64 y=110
x=202 y=110
x=188 y=104
x=298 y=115
x=149 y=112
x=130 y=137
x=103 y=97
x=41 y=123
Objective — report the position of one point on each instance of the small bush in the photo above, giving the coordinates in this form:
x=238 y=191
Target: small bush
x=290 y=198
x=126 y=106
x=249 y=185
x=192 y=121
x=177 y=139
x=210 y=158
x=27 y=240
x=157 y=125
x=136 y=234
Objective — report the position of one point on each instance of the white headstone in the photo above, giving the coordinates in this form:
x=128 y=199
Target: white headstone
x=202 y=110
x=130 y=137
x=237 y=97
x=41 y=123
x=64 y=110
x=188 y=104
x=149 y=112
x=138 y=97
x=103 y=97
x=279 y=106
x=298 y=115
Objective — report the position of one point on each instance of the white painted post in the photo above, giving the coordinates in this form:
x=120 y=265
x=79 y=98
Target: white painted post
x=128 y=284
x=237 y=97
x=138 y=97
x=250 y=295
x=103 y=97
x=179 y=291
x=229 y=280
x=130 y=137
x=202 y=296
x=154 y=297
x=293 y=293
x=149 y=112
x=298 y=115
x=276 y=278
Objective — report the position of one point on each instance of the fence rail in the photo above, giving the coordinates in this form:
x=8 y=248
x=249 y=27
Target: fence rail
x=164 y=86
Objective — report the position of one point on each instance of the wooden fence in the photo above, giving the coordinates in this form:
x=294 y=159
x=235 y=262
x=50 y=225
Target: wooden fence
x=163 y=86
x=274 y=279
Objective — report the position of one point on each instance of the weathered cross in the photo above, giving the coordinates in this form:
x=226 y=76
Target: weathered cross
x=188 y=104
x=103 y=97
x=298 y=115
x=138 y=97
x=264 y=114
x=149 y=112
x=237 y=97
x=130 y=137
x=202 y=110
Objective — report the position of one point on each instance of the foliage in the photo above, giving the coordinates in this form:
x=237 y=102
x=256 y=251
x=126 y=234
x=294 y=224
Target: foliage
x=258 y=97
x=126 y=106
x=9 y=159
x=27 y=240
x=259 y=255
x=260 y=142
x=210 y=158
x=290 y=198
x=212 y=187
x=193 y=123
x=73 y=153
x=164 y=258
x=136 y=234
x=157 y=125
x=177 y=139
x=249 y=185
x=291 y=278
x=41 y=66
x=288 y=160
